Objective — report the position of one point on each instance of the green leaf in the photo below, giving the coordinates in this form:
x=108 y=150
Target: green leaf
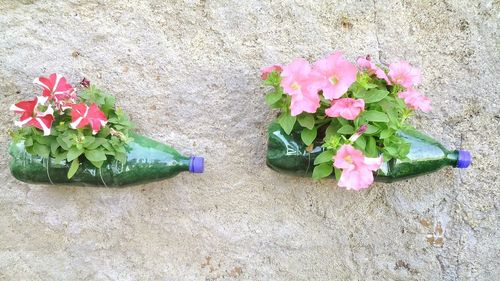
x=88 y=141
x=306 y=120
x=97 y=164
x=393 y=151
x=358 y=92
x=359 y=121
x=120 y=149
x=374 y=95
x=60 y=157
x=393 y=116
x=333 y=142
x=322 y=170
x=375 y=116
x=308 y=136
x=73 y=153
x=287 y=122
x=346 y=130
x=371 y=147
x=63 y=142
x=97 y=142
x=53 y=147
x=371 y=130
x=107 y=146
x=41 y=139
x=386 y=133
x=342 y=121
x=122 y=157
x=360 y=143
x=109 y=104
x=386 y=156
x=273 y=79
x=40 y=149
x=404 y=149
x=28 y=142
x=95 y=155
x=273 y=97
x=325 y=156
x=338 y=173
x=332 y=129
x=73 y=168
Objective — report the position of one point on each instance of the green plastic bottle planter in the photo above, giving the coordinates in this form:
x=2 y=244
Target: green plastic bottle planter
x=147 y=160
x=288 y=154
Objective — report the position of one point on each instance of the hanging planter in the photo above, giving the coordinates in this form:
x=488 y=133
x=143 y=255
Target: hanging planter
x=350 y=122
x=83 y=139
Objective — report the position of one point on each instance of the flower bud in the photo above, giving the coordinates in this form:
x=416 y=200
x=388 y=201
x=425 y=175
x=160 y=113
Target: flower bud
x=85 y=82
x=360 y=131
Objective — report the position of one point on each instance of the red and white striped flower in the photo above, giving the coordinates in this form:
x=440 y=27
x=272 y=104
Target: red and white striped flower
x=57 y=88
x=83 y=115
x=32 y=114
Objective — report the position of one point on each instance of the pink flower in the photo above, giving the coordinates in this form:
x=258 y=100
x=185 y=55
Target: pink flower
x=334 y=75
x=83 y=115
x=264 y=72
x=297 y=83
x=296 y=77
x=402 y=73
x=416 y=100
x=366 y=63
x=32 y=114
x=56 y=87
x=357 y=170
x=307 y=102
x=346 y=108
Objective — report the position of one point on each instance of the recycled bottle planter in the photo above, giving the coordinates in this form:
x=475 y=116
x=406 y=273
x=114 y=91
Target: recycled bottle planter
x=147 y=160
x=288 y=154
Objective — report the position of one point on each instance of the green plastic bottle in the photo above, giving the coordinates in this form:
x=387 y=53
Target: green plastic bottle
x=147 y=161
x=288 y=154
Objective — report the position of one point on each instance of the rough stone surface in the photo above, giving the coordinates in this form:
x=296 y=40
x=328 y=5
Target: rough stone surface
x=188 y=74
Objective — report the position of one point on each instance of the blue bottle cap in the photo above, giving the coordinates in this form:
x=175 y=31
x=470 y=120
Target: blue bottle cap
x=196 y=165
x=464 y=159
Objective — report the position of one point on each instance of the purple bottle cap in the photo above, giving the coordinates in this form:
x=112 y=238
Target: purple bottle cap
x=196 y=165
x=464 y=159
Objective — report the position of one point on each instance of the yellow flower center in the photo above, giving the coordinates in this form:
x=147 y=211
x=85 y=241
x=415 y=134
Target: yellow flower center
x=348 y=159
x=295 y=86
x=334 y=80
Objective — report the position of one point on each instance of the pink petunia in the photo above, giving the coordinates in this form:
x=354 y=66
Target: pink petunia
x=334 y=75
x=296 y=77
x=296 y=82
x=402 y=73
x=346 y=108
x=264 y=72
x=372 y=69
x=309 y=101
x=357 y=170
x=416 y=100
x=83 y=115
x=56 y=87
x=32 y=115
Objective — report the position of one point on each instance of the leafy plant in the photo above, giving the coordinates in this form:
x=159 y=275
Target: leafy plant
x=354 y=113
x=85 y=127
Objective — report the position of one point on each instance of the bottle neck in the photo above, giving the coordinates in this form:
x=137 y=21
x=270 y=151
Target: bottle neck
x=452 y=158
x=184 y=164
x=459 y=159
x=193 y=164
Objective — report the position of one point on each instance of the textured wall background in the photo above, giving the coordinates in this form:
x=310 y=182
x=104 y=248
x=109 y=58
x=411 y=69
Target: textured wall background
x=188 y=74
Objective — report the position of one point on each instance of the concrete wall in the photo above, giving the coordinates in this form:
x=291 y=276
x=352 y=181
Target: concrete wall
x=188 y=74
